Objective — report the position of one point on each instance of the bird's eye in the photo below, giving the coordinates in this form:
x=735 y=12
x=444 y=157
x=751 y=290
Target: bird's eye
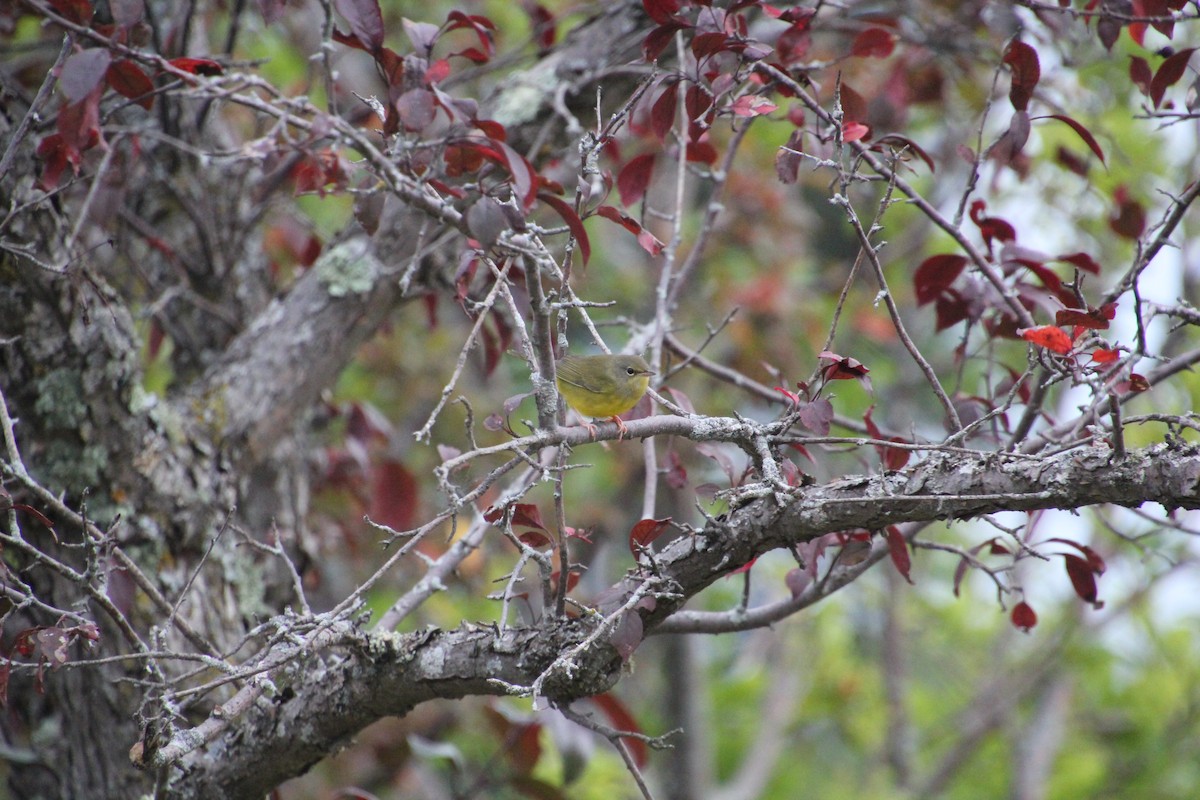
x=630 y=371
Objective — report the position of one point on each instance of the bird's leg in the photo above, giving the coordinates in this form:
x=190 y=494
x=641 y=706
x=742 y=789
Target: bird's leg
x=622 y=431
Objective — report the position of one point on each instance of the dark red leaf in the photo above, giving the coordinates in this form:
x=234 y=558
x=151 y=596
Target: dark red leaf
x=709 y=43
x=657 y=40
x=1128 y=219
x=394 y=495
x=935 y=274
x=1026 y=72
x=661 y=11
x=574 y=223
x=648 y=241
x=873 y=43
x=663 y=112
x=77 y=11
x=626 y=634
x=128 y=80
x=1136 y=383
x=792 y=45
x=951 y=308
x=1083 y=132
x=898 y=549
x=1093 y=319
x=645 y=532
x=701 y=153
x=1108 y=29
x=1139 y=74
x=1024 y=617
x=843 y=368
x=1083 y=579
x=634 y=177
x=1081 y=260
x=365 y=19
x=1169 y=73
x=1094 y=560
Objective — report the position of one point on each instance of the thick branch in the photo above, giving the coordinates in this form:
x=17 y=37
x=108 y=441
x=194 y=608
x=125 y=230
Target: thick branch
x=382 y=676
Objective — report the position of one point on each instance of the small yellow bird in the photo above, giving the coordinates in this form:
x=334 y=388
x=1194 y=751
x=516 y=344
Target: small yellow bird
x=603 y=385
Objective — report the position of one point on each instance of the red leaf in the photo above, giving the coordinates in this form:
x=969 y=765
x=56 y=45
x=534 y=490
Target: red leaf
x=893 y=458
x=393 y=495
x=626 y=634
x=634 y=177
x=663 y=112
x=1083 y=132
x=1048 y=336
x=873 y=43
x=1168 y=74
x=1093 y=319
x=1083 y=579
x=366 y=21
x=77 y=11
x=951 y=308
x=1083 y=261
x=1103 y=356
x=843 y=368
x=648 y=241
x=82 y=73
x=128 y=80
x=657 y=40
x=1139 y=74
x=574 y=223
x=817 y=416
x=1136 y=383
x=898 y=549
x=1128 y=219
x=935 y=274
x=788 y=158
x=645 y=532
x=1024 y=617
x=1094 y=560
x=525 y=514
x=198 y=66
x=661 y=11
x=1026 y=72
x=792 y=45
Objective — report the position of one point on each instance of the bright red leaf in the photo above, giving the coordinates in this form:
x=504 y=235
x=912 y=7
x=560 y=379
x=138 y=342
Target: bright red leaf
x=1050 y=337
